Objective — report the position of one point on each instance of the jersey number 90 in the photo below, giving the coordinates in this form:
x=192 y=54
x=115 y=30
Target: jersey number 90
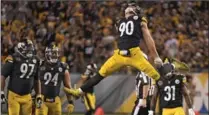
x=128 y=28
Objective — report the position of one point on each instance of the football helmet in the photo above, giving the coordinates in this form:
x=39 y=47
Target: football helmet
x=25 y=48
x=132 y=8
x=91 y=69
x=52 y=53
x=166 y=68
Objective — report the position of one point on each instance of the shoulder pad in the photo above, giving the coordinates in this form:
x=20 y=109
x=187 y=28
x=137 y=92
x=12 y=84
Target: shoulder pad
x=65 y=65
x=9 y=59
x=143 y=19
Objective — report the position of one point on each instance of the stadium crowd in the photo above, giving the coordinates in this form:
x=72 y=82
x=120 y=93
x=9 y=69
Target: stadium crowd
x=85 y=31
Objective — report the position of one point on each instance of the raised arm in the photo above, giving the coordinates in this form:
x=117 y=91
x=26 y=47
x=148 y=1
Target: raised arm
x=150 y=42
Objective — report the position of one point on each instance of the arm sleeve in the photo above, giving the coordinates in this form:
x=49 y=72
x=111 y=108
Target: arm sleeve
x=6 y=70
x=143 y=19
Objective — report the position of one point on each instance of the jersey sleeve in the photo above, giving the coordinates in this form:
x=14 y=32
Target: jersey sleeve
x=184 y=79
x=65 y=66
x=143 y=19
x=6 y=70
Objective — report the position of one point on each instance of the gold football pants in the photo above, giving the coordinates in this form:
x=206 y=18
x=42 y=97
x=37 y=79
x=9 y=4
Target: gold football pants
x=136 y=60
x=19 y=104
x=50 y=108
x=173 y=111
x=89 y=101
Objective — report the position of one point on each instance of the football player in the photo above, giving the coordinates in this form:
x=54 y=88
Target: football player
x=22 y=68
x=132 y=28
x=171 y=88
x=89 y=96
x=52 y=73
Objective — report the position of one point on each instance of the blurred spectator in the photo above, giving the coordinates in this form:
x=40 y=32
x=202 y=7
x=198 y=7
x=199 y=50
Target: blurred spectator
x=85 y=30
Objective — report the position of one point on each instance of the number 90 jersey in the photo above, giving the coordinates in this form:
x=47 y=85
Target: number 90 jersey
x=51 y=76
x=170 y=91
x=130 y=32
x=22 y=72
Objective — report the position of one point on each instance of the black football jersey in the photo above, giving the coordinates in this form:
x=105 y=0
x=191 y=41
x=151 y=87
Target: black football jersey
x=170 y=91
x=22 y=72
x=130 y=32
x=141 y=80
x=51 y=77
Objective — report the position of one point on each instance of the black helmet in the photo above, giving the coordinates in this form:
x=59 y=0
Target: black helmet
x=25 y=48
x=52 y=53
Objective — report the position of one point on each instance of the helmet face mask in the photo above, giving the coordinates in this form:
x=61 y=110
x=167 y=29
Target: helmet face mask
x=52 y=54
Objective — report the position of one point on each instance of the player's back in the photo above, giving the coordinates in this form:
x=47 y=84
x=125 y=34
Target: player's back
x=130 y=32
x=23 y=73
x=170 y=91
x=51 y=76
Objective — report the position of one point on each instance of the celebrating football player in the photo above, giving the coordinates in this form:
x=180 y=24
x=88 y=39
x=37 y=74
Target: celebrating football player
x=52 y=73
x=89 y=96
x=22 y=68
x=171 y=88
x=132 y=28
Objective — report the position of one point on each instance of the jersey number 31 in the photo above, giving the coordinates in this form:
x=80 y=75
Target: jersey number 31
x=128 y=28
x=170 y=91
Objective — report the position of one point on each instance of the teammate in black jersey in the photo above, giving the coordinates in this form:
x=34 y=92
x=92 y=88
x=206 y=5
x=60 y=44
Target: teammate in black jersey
x=89 y=96
x=132 y=28
x=171 y=88
x=22 y=67
x=52 y=73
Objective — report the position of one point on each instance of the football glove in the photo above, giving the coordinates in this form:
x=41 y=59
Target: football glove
x=70 y=107
x=150 y=112
x=39 y=101
x=3 y=98
x=158 y=61
x=191 y=111
x=75 y=92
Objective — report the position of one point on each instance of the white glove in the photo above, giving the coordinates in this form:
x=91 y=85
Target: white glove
x=191 y=111
x=158 y=61
x=3 y=98
x=150 y=112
